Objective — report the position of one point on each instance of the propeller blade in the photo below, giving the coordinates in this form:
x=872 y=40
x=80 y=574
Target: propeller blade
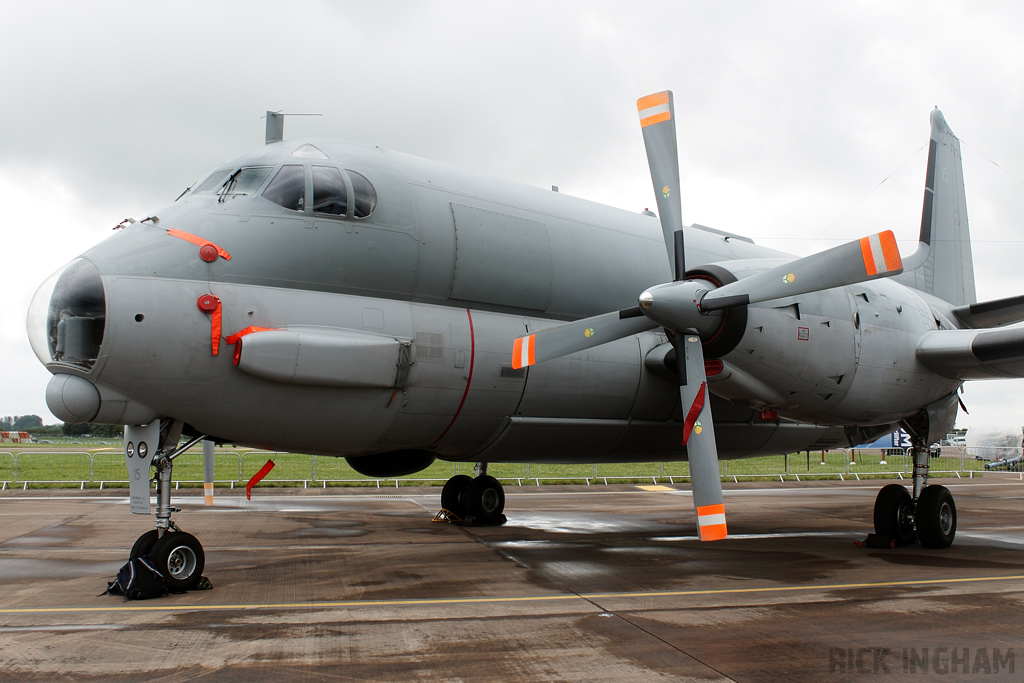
x=561 y=340
x=657 y=120
x=699 y=438
x=868 y=258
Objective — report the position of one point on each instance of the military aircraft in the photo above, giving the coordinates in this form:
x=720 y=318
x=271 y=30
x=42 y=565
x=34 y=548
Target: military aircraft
x=346 y=300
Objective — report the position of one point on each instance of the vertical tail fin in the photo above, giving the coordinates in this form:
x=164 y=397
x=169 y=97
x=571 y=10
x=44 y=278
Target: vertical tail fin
x=943 y=264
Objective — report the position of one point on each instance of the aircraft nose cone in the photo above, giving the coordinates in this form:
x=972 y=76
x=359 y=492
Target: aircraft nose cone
x=67 y=317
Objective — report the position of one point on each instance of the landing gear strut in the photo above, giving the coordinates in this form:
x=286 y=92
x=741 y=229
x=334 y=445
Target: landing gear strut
x=177 y=555
x=930 y=511
x=479 y=500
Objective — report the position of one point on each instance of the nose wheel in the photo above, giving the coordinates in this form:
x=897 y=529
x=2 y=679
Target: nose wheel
x=180 y=558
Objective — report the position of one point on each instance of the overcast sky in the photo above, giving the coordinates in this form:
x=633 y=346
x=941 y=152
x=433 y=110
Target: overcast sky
x=790 y=115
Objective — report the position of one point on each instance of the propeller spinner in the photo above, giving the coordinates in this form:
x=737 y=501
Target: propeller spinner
x=687 y=308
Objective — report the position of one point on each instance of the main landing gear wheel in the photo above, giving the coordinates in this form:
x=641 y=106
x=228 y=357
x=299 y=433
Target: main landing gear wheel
x=180 y=558
x=936 y=517
x=485 y=500
x=451 y=494
x=894 y=514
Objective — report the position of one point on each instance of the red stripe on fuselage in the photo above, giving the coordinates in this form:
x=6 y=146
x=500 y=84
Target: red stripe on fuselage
x=472 y=359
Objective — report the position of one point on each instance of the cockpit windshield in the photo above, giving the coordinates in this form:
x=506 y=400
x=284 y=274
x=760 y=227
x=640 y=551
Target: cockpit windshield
x=343 y=194
x=212 y=182
x=246 y=180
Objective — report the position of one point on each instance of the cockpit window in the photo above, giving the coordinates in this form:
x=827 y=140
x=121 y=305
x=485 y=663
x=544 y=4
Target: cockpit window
x=288 y=188
x=246 y=180
x=308 y=151
x=365 y=195
x=329 y=193
x=212 y=182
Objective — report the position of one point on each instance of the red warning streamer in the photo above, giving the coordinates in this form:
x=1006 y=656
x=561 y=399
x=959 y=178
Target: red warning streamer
x=209 y=303
x=256 y=478
x=233 y=339
x=199 y=242
x=691 y=417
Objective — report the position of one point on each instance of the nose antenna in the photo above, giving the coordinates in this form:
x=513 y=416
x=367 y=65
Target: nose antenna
x=275 y=124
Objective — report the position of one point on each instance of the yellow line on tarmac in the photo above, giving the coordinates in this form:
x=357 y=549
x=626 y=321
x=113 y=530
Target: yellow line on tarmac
x=507 y=599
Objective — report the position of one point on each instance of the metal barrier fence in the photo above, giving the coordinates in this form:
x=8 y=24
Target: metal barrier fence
x=106 y=468
x=6 y=469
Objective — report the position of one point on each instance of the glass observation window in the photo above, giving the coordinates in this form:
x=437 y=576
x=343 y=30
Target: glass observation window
x=329 y=192
x=363 y=193
x=288 y=188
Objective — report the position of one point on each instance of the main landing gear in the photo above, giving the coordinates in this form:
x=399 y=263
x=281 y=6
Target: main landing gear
x=177 y=555
x=475 y=500
x=930 y=511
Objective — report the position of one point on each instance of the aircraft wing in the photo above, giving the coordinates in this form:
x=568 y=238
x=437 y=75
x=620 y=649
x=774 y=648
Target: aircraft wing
x=974 y=354
x=991 y=313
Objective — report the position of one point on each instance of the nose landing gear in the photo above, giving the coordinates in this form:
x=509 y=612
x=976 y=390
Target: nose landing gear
x=178 y=556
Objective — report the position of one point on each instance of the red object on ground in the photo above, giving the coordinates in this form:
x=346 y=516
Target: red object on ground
x=256 y=478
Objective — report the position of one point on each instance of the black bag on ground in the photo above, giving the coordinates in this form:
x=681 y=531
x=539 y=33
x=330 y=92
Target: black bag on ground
x=137 y=580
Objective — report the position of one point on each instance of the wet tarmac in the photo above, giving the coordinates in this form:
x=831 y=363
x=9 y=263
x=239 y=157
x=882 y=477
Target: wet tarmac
x=583 y=584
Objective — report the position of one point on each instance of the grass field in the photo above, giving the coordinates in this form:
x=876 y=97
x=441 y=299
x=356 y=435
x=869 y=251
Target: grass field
x=98 y=464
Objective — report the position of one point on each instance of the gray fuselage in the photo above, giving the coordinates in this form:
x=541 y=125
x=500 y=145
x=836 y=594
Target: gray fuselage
x=444 y=273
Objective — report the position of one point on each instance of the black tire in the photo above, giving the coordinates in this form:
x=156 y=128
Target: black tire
x=452 y=494
x=936 y=517
x=893 y=511
x=485 y=500
x=144 y=545
x=180 y=558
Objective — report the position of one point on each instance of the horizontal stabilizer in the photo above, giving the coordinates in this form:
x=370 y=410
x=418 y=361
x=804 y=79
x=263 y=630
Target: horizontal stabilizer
x=974 y=354
x=991 y=313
